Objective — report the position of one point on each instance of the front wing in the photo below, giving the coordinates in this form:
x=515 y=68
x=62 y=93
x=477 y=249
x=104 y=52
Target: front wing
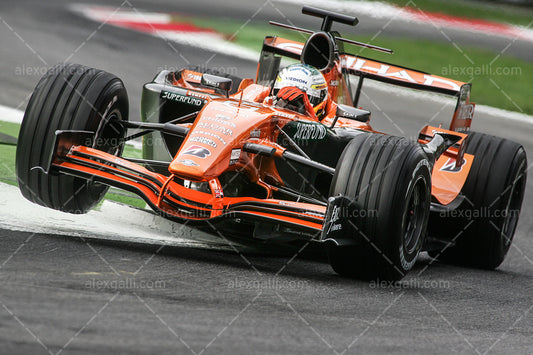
x=170 y=198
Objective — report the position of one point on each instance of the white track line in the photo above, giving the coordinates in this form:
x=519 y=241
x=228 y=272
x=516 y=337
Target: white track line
x=441 y=99
x=103 y=14
x=148 y=23
x=211 y=43
x=8 y=114
x=111 y=221
x=384 y=11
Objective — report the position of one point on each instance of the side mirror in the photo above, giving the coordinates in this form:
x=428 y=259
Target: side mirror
x=352 y=113
x=218 y=83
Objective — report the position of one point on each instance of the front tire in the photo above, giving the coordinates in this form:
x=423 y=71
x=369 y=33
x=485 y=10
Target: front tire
x=69 y=97
x=482 y=228
x=389 y=179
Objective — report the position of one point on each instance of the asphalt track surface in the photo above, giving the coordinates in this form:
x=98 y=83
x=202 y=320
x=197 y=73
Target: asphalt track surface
x=62 y=294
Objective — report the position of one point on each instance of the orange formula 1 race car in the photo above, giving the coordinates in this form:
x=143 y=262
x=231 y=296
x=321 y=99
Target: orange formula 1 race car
x=284 y=158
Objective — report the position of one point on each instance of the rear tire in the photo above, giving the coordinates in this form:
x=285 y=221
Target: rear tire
x=483 y=226
x=68 y=97
x=389 y=179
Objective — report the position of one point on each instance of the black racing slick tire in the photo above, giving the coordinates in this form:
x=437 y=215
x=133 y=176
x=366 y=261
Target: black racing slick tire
x=69 y=97
x=481 y=230
x=389 y=178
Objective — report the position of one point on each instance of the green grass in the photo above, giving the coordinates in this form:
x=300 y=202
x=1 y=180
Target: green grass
x=131 y=152
x=472 y=9
x=500 y=81
x=7 y=154
x=7 y=167
x=468 y=64
x=7 y=164
x=125 y=198
x=248 y=35
x=9 y=128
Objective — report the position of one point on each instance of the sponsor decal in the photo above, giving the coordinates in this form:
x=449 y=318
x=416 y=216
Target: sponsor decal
x=306 y=131
x=303 y=69
x=291 y=47
x=203 y=140
x=242 y=107
x=228 y=110
x=197 y=151
x=234 y=157
x=210 y=82
x=215 y=127
x=172 y=96
x=187 y=162
x=466 y=112
x=319 y=86
x=449 y=166
x=197 y=94
x=383 y=69
x=256 y=133
x=298 y=80
x=204 y=133
x=429 y=80
x=300 y=233
x=396 y=73
x=283 y=114
x=195 y=77
x=334 y=218
x=223 y=117
x=216 y=188
x=219 y=193
x=221 y=121
x=314 y=214
x=235 y=153
x=251 y=94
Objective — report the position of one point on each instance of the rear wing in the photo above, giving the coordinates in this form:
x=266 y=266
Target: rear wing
x=367 y=68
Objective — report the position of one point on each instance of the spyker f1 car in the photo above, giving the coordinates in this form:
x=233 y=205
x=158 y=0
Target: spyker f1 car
x=285 y=157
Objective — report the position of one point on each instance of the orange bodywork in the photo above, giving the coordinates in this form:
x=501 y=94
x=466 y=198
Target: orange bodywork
x=215 y=144
x=174 y=200
x=447 y=180
x=451 y=169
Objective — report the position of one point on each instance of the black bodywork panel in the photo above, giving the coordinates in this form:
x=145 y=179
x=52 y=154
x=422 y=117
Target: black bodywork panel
x=321 y=144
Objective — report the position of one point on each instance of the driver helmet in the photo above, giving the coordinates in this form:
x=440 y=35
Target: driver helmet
x=309 y=80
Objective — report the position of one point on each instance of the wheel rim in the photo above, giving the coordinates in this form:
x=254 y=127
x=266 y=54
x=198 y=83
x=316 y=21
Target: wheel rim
x=107 y=138
x=513 y=208
x=414 y=216
x=109 y=133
